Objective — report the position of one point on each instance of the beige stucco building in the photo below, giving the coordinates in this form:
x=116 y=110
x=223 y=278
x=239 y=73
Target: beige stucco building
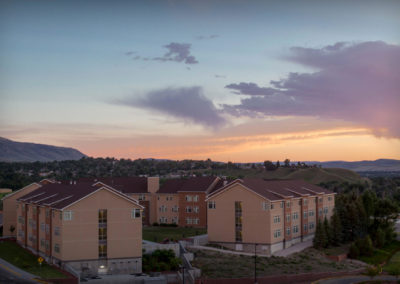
x=274 y=214
x=92 y=228
x=9 y=207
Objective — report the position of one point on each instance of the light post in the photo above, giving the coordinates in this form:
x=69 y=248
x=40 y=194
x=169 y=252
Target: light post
x=183 y=273
x=255 y=263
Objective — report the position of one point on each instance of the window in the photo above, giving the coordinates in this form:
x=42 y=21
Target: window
x=211 y=204
x=295 y=229
x=163 y=220
x=102 y=251
x=196 y=221
x=288 y=231
x=288 y=218
x=42 y=227
x=141 y=197
x=195 y=198
x=300 y=202
x=163 y=208
x=30 y=222
x=47 y=212
x=295 y=215
x=102 y=234
x=311 y=226
x=53 y=213
x=196 y=209
x=34 y=210
x=305 y=201
x=57 y=231
x=102 y=216
x=272 y=206
x=305 y=214
x=168 y=198
x=238 y=236
x=288 y=204
x=20 y=219
x=42 y=243
x=326 y=210
x=188 y=198
x=60 y=215
x=329 y=198
x=277 y=219
x=188 y=209
x=175 y=209
x=277 y=233
x=135 y=213
x=305 y=227
x=188 y=220
x=57 y=248
x=175 y=220
x=282 y=203
x=264 y=206
x=320 y=199
x=320 y=212
x=47 y=229
x=311 y=213
x=67 y=215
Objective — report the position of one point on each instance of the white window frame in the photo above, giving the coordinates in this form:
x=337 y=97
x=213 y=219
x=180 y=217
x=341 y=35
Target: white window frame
x=68 y=215
x=211 y=204
x=134 y=212
x=195 y=198
x=188 y=198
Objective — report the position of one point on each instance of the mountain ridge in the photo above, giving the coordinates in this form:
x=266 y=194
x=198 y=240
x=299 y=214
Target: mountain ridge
x=13 y=151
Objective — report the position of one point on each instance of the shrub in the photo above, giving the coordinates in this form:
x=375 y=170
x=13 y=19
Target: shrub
x=354 y=252
x=155 y=224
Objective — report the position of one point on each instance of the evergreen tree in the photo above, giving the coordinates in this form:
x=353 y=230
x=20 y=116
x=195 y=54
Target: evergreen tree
x=328 y=233
x=336 y=229
x=320 y=239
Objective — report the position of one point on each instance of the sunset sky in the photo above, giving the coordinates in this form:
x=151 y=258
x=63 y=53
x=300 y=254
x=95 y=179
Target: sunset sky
x=240 y=81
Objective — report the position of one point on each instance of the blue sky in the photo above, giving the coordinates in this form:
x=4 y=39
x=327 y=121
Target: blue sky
x=65 y=63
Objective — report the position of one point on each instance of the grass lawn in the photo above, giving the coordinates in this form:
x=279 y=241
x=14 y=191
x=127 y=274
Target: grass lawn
x=393 y=266
x=158 y=233
x=220 y=265
x=14 y=254
x=383 y=254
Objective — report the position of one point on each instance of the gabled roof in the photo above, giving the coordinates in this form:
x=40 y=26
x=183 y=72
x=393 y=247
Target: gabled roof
x=193 y=184
x=60 y=196
x=19 y=190
x=123 y=184
x=274 y=190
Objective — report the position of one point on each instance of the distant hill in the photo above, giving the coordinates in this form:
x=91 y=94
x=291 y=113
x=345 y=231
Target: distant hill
x=11 y=151
x=381 y=165
x=312 y=175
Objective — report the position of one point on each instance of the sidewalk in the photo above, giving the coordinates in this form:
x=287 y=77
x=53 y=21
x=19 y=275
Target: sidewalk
x=17 y=272
x=285 y=252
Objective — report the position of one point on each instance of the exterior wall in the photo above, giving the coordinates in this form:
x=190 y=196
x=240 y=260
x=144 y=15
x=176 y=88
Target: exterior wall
x=296 y=208
x=80 y=235
x=201 y=215
x=144 y=200
x=42 y=230
x=169 y=201
x=10 y=209
x=20 y=227
x=256 y=222
x=56 y=233
x=277 y=211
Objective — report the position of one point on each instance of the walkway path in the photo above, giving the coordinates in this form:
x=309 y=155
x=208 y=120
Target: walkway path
x=285 y=252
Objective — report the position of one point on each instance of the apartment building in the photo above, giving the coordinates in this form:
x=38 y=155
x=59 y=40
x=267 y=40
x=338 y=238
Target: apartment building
x=142 y=189
x=266 y=215
x=182 y=201
x=94 y=229
x=9 y=207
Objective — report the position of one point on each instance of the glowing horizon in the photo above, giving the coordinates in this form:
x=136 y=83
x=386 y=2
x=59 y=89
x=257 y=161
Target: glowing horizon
x=225 y=80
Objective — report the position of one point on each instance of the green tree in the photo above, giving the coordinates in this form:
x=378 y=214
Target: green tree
x=320 y=238
x=286 y=163
x=336 y=228
x=328 y=233
x=269 y=166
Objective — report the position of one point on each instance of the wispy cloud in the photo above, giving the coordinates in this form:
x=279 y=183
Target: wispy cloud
x=202 y=37
x=354 y=82
x=219 y=76
x=178 y=52
x=188 y=104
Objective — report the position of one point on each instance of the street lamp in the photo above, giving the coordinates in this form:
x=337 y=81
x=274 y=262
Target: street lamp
x=183 y=273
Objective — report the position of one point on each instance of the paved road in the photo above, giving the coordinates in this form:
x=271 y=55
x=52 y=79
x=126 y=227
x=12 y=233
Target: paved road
x=9 y=276
x=12 y=274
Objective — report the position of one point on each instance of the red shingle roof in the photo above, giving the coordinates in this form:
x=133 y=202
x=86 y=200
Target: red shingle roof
x=278 y=189
x=123 y=184
x=195 y=184
x=59 y=196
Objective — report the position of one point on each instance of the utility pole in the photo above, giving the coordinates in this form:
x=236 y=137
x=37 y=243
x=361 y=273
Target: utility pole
x=255 y=263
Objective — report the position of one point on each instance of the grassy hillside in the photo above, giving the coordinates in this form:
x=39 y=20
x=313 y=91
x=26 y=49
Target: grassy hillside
x=312 y=175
